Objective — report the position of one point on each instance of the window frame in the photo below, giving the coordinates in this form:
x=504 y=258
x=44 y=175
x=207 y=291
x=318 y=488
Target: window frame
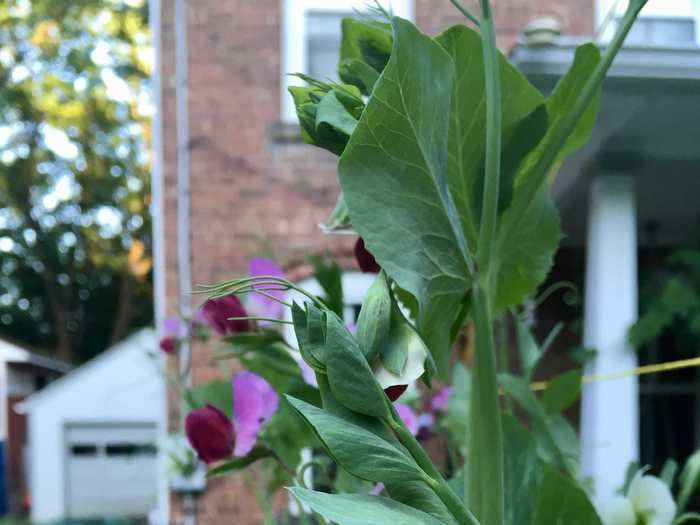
x=603 y=7
x=294 y=37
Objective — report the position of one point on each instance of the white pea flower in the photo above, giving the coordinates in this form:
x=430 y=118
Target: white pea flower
x=648 y=502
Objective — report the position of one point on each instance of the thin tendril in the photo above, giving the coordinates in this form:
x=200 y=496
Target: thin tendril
x=472 y=18
x=256 y=318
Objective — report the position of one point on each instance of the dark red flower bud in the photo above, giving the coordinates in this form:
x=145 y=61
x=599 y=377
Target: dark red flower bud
x=394 y=392
x=218 y=313
x=365 y=260
x=168 y=345
x=210 y=432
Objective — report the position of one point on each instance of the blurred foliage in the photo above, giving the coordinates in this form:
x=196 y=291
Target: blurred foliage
x=672 y=302
x=74 y=178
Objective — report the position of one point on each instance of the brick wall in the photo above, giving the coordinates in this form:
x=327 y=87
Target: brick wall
x=249 y=191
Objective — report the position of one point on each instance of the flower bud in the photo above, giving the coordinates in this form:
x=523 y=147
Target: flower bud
x=394 y=392
x=218 y=313
x=168 y=345
x=365 y=260
x=210 y=432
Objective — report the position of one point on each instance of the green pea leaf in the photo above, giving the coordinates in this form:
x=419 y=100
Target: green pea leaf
x=357 y=509
x=394 y=178
x=364 y=52
x=521 y=472
x=468 y=121
x=329 y=276
x=349 y=375
x=562 y=391
x=357 y=450
x=560 y=500
x=237 y=464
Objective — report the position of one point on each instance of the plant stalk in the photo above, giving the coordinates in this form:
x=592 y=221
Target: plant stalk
x=484 y=483
x=436 y=482
x=492 y=172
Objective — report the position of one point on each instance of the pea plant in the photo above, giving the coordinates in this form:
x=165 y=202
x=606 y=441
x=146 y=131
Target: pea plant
x=446 y=155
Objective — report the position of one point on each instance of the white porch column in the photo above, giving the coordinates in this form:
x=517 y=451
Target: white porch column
x=610 y=409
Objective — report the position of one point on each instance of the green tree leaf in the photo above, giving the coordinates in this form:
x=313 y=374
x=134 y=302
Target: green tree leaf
x=356 y=509
x=357 y=450
x=394 y=178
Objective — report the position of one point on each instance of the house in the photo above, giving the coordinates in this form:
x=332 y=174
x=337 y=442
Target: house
x=231 y=176
x=94 y=437
x=21 y=374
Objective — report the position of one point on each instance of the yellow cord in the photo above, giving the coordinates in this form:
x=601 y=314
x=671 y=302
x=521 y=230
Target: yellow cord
x=639 y=371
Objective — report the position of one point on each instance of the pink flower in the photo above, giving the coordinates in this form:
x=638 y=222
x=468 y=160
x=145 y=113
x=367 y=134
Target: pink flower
x=441 y=399
x=377 y=489
x=254 y=402
x=218 y=313
x=215 y=437
x=408 y=416
x=365 y=260
x=210 y=433
x=260 y=304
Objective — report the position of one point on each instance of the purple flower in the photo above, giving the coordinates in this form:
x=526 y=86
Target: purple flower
x=441 y=399
x=210 y=432
x=261 y=304
x=408 y=416
x=254 y=402
x=377 y=489
x=173 y=327
x=365 y=260
x=219 y=311
x=215 y=437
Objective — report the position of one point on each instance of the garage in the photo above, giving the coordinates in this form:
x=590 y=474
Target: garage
x=110 y=467
x=94 y=438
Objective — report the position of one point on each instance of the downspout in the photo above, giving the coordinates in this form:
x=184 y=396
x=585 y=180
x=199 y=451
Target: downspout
x=189 y=510
x=158 y=246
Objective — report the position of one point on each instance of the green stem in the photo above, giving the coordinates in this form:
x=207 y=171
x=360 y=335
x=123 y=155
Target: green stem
x=484 y=475
x=492 y=172
x=590 y=88
x=435 y=480
x=474 y=20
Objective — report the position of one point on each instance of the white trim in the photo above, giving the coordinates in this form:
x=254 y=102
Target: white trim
x=658 y=8
x=293 y=52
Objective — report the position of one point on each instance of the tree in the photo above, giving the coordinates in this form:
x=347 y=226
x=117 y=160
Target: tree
x=74 y=180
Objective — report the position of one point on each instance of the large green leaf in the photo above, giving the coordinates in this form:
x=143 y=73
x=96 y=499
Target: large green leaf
x=419 y=496
x=468 y=120
x=561 y=501
x=357 y=509
x=529 y=233
x=394 y=178
x=357 y=450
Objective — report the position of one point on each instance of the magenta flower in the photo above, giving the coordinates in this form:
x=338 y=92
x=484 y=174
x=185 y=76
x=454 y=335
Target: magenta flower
x=408 y=416
x=365 y=260
x=210 y=432
x=168 y=345
x=218 y=313
x=260 y=304
x=254 y=402
x=215 y=437
x=441 y=399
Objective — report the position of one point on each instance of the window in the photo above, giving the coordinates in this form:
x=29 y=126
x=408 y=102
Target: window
x=662 y=23
x=311 y=39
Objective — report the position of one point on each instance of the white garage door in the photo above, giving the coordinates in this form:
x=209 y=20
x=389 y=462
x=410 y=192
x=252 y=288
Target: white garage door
x=110 y=470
